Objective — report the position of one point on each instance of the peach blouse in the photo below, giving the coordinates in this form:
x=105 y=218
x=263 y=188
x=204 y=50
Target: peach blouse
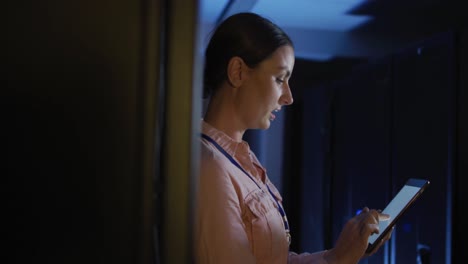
x=237 y=218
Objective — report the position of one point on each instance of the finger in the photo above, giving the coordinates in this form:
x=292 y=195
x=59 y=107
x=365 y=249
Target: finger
x=379 y=216
x=374 y=228
x=369 y=223
x=363 y=211
x=373 y=217
x=384 y=217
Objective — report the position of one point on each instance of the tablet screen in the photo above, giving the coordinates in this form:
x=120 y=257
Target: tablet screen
x=397 y=206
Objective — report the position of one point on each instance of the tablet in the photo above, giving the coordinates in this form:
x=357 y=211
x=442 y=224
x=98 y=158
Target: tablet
x=397 y=206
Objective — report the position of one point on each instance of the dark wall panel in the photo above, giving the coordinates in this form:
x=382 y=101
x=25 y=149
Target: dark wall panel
x=73 y=132
x=360 y=155
x=461 y=168
x=394 y=118
x=315 y=180
x=423 y=97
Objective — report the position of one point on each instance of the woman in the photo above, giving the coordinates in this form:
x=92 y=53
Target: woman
x=240 y=218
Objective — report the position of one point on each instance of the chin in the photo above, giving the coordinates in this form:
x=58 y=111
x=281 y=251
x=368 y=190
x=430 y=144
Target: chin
x=265 y=125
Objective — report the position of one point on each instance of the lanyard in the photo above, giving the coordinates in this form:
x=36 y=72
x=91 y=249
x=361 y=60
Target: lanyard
x=280 y=208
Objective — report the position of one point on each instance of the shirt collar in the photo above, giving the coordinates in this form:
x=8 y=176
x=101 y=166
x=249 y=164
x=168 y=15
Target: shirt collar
x=231 y=146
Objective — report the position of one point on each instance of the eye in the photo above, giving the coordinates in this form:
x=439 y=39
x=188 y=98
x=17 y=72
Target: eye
x=279 y=80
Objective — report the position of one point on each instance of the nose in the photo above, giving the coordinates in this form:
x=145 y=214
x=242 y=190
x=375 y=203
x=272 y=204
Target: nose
x=286 y=98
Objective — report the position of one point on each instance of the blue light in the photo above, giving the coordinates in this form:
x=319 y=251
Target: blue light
x=419 y=50
x=322 y=14
x=211 y=10
x=407 y=227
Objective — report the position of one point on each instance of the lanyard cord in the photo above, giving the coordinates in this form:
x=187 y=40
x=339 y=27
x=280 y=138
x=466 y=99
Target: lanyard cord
x=280 y=208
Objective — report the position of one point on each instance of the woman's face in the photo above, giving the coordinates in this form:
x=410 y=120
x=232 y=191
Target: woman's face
x=266 y=89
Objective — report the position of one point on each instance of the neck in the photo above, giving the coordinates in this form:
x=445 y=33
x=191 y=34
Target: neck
x=221 y=115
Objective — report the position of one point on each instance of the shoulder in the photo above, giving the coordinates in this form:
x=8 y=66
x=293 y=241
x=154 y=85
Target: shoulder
x=210 y=156
x=214 y=166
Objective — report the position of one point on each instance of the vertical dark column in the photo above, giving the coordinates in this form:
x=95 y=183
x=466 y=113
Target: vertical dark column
x=79 y=131
x=423 y=145
x=360 y=158
x=182 y=131
x=314 y=189
x=461 y=170
x=292 y=169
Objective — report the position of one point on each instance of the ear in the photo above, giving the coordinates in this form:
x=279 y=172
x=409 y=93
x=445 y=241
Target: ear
x=235 y=71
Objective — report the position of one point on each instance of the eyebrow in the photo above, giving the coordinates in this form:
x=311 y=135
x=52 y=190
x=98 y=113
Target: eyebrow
x=288 y=72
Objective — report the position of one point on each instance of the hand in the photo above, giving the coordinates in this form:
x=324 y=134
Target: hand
x=385 y=239
x=353 y=240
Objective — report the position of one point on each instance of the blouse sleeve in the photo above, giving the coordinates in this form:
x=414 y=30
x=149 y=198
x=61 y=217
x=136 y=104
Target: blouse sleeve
x=306 y=258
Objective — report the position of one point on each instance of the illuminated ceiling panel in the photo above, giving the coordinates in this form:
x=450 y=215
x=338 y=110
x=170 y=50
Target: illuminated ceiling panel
x=314 y=14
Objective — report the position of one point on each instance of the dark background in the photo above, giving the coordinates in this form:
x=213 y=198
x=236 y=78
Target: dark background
x=355 y=139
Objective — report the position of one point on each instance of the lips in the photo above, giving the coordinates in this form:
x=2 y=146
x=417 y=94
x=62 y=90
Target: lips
x=272 y=115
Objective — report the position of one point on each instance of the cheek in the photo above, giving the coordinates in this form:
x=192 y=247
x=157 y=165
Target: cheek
x=264 y=93
x=270 y=89
x=273 y=92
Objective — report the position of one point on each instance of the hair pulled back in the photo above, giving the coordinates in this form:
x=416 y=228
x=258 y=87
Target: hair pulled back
x=246 y=35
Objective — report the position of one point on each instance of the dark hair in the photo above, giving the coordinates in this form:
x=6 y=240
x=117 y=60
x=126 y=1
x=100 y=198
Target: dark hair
x=247 y=35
